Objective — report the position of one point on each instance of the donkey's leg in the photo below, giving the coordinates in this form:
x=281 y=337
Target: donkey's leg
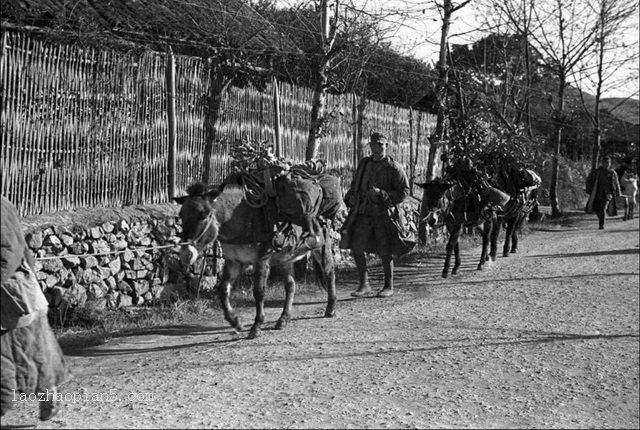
x=456 y=252
x=230 y=272
x=449 y=250
x=452 y=246
x=495 y=233
x=508 y=235
x=289 y=291
x=324 y=267
x=260 y=275
x=514 y=235
x=487 y=232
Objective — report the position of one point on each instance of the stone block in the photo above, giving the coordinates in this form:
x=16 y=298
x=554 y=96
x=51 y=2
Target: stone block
x=70 y=261
x=78 y=248
x=111 y=299
x=51 y=281
x=66 y=239
x=34 y=240
x=100 y=246
x=127 y=256
x=124 y=301
x=52 y=265
x=96 y=291
x=140 y=287
x=124 y=287
x=75 y=295
x=95 y=232
x=115 y=266
x=123 y=225
x=88 y=262
x=111 y=283
x=53 y=241
x=107 y=227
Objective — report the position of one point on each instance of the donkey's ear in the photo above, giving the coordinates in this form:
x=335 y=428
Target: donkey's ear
x=214 y=191
x=180 y=200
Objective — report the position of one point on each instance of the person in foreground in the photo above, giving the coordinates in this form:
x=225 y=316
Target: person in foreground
x=373 y=224
x=32 y=362
x=602 y=187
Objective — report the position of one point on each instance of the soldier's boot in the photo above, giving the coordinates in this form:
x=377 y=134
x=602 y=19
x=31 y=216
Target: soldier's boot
x=363 y=286
x=387 y=290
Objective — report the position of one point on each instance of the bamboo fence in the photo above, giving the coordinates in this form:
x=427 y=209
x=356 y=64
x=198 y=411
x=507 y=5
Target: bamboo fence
x=84 y=127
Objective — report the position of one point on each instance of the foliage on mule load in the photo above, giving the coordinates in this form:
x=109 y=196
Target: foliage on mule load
x=491 y=148
x=299 y=189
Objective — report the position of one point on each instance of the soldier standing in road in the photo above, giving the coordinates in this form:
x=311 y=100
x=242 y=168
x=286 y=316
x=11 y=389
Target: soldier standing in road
x=373 y=224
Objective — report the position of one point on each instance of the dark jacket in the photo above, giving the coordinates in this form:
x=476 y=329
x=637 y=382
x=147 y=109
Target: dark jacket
x=393 y=182
x=604 y=183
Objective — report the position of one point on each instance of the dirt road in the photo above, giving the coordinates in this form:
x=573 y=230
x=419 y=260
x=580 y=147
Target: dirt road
x=547 y=338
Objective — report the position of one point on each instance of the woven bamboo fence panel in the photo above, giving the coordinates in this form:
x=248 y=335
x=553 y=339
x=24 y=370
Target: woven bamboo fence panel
x=83 y=127
x=80 y=127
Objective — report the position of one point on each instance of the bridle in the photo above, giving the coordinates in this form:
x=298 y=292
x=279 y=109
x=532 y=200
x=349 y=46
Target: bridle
x=442 y=210
x=209 y=222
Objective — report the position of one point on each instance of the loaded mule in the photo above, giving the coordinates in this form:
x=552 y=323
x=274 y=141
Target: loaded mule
x=258 y=235
x=521 y=185
x=451 y=205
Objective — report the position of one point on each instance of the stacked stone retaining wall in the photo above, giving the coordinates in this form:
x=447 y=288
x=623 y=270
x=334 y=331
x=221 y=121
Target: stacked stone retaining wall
x=113 y=257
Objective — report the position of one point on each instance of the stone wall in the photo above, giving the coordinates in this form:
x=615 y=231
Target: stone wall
x=114 y=257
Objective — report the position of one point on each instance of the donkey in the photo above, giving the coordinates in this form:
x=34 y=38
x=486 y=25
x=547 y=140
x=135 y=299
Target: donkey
x=246 y=234
x=521 y=185
x=448 y=204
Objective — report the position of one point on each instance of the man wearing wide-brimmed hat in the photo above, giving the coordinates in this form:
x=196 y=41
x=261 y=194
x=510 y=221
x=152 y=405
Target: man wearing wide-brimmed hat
x=373 y=224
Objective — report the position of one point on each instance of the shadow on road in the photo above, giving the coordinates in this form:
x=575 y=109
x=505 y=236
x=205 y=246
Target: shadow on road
x=588 y=254
x=101 y=352
x=474 y=345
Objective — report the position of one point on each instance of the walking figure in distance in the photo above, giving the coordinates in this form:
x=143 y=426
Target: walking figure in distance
x=629 y=184
x=602 y=187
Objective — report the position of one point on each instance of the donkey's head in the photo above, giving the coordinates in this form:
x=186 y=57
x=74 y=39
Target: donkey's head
x=433 y=201
x=199 y=224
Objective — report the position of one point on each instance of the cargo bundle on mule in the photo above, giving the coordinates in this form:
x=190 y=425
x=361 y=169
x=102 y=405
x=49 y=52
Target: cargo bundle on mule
x=305 y=195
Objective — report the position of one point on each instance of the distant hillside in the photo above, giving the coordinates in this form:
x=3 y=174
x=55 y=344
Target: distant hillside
x=627 y=110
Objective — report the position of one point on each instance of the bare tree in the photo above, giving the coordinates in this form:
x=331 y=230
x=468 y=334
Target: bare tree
x=331 y=34
x=612 y=54
x=439 y=137
x=563 y=32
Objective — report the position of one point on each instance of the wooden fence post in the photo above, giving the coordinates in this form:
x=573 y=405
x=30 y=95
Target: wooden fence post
x=412 y=159
x=354 y=127
x=276 y=119
x=171 y=119
x=360 y=124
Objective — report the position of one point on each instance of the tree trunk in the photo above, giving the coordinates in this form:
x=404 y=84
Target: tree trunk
x=362 y=117
x=440 y=134
x=559 y=125
x=318 y=119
